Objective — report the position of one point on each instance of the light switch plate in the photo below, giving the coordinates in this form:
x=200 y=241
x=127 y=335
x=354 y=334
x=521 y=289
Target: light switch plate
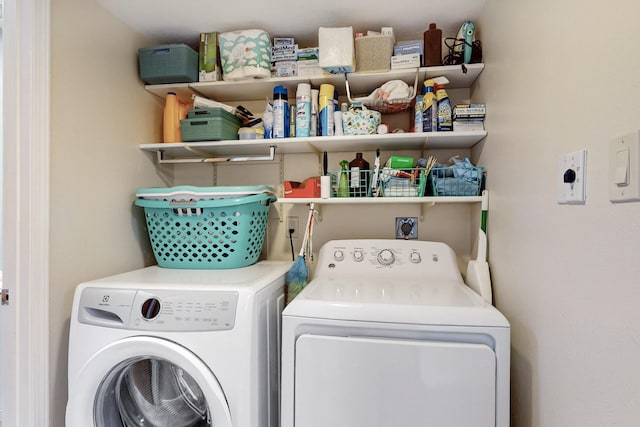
x=624 y=164
x=572 y=173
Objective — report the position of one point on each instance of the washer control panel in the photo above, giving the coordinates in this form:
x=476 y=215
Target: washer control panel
x=158 y=310
x=397 y=258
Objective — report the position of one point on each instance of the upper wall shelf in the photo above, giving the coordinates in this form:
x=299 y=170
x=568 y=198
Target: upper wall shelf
x=459 y=76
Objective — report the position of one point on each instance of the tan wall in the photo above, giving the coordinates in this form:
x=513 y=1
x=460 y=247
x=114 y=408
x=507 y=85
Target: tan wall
x=559 y=77
x=99 y=113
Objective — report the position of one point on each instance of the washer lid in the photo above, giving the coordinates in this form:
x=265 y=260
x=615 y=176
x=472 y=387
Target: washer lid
x=412 y=302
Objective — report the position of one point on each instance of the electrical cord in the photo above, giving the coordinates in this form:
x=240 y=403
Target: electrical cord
x=456 y=51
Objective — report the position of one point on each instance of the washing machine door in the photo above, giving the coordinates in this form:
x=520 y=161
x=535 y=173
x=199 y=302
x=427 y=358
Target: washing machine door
x=147 y=382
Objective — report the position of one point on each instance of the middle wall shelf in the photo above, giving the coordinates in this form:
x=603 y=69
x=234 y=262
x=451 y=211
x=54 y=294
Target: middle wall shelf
x=317 y=144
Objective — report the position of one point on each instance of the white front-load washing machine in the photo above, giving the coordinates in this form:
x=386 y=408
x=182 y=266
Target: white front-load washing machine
x=172 y=348
x=388 y=335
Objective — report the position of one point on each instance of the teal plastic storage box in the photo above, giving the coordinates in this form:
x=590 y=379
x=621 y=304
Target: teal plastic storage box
x=209 y=124
x=169 y=63
x=207 y=234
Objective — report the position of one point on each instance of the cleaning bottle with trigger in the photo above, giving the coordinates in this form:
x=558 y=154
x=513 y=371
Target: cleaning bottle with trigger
x=343 y=180
x=429 y=107
x=445 y=120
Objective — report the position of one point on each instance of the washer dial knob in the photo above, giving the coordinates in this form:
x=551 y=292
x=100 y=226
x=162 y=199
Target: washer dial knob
x=150 y=308
x=415 y=257
x=358 y=255
x=386 y=257
x=338 y=255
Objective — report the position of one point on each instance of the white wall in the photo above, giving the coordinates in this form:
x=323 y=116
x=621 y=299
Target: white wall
x=99 y=115
x=562 y=76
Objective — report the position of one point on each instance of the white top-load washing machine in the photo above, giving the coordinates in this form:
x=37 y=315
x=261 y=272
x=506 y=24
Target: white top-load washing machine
x=388 y=335
x=169 y=347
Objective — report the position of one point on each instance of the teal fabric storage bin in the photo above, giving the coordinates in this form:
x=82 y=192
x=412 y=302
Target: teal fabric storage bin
x=209 y=124
x=169 y=63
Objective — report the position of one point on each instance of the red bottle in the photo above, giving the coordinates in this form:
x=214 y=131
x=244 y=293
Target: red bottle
x=432 y=46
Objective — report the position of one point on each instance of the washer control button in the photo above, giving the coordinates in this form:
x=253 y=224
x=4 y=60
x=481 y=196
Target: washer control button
x=338 y=255
x=151 y=308
x=415 y=257
x=386 y=257
x=358 y=256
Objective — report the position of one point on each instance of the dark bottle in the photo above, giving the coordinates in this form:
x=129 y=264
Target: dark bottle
x=358 y=177
x=432 y=46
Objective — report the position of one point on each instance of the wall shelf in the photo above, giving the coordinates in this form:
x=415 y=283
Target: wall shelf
x=317 y=144
x=459 y=76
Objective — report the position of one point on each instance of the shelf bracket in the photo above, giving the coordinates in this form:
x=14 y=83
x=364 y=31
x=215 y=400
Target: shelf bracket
x=426 y=205
x=205 y=157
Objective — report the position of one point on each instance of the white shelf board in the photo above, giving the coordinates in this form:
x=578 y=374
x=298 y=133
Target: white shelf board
x=260 y=89
x=393 y=141
x=360 y=83
x=181 y=89
x=379 y=200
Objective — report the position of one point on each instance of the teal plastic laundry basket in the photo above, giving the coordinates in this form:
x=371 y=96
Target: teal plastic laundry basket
x=207 y=234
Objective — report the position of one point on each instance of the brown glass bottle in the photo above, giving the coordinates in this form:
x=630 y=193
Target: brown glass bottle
x=358 y=176
x=432 y=46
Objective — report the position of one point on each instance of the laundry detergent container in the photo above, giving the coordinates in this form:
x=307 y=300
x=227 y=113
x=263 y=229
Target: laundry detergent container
x=206 y=227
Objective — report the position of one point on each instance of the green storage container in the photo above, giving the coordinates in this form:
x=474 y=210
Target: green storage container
x=169 y=63
x=209 y=124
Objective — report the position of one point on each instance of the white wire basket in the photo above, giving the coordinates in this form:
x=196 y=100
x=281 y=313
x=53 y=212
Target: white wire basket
x=386 y=106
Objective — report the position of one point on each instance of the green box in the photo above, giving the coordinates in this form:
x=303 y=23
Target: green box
x=209 y=67
x=209 y=124
x=169 y=63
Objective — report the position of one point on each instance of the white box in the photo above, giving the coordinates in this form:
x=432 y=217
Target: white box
x=399 y=62
x=337 y=51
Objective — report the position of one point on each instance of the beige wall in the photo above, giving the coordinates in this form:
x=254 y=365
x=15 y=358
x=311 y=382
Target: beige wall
x=99 y=113
x=562 y=76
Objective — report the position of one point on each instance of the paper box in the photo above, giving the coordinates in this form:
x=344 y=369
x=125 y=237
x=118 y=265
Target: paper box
x=209 y=69
x=337 y=51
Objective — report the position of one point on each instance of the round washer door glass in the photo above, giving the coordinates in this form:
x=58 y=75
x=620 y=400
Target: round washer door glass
x=147 y=391
x=147 y=382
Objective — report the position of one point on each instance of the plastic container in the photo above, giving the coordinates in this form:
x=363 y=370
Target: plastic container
x=432 y=46
x=429 y=108
x=209 y=124
x=280 y=112
x=303 y=110
x=452 y=181
x=325 y=101
x=315 y=94
x=445 y=120
x=171 y=119
x=169 y=63
x=417 y=115
x=359 y=174
x=207 y=234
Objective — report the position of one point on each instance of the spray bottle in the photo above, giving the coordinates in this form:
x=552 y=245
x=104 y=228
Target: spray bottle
x=314 y=112
x=429 y=107
x=326 y=109
x=343 y=180
x=281 y=125
x=303 y=110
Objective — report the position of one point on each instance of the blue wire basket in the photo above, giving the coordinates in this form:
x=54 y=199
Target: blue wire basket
x=207 y=234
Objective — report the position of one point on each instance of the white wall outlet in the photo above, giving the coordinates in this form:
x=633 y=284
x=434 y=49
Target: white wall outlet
x=572 y=173
x=293 y=223
x=624 y=164
x=406 y=228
